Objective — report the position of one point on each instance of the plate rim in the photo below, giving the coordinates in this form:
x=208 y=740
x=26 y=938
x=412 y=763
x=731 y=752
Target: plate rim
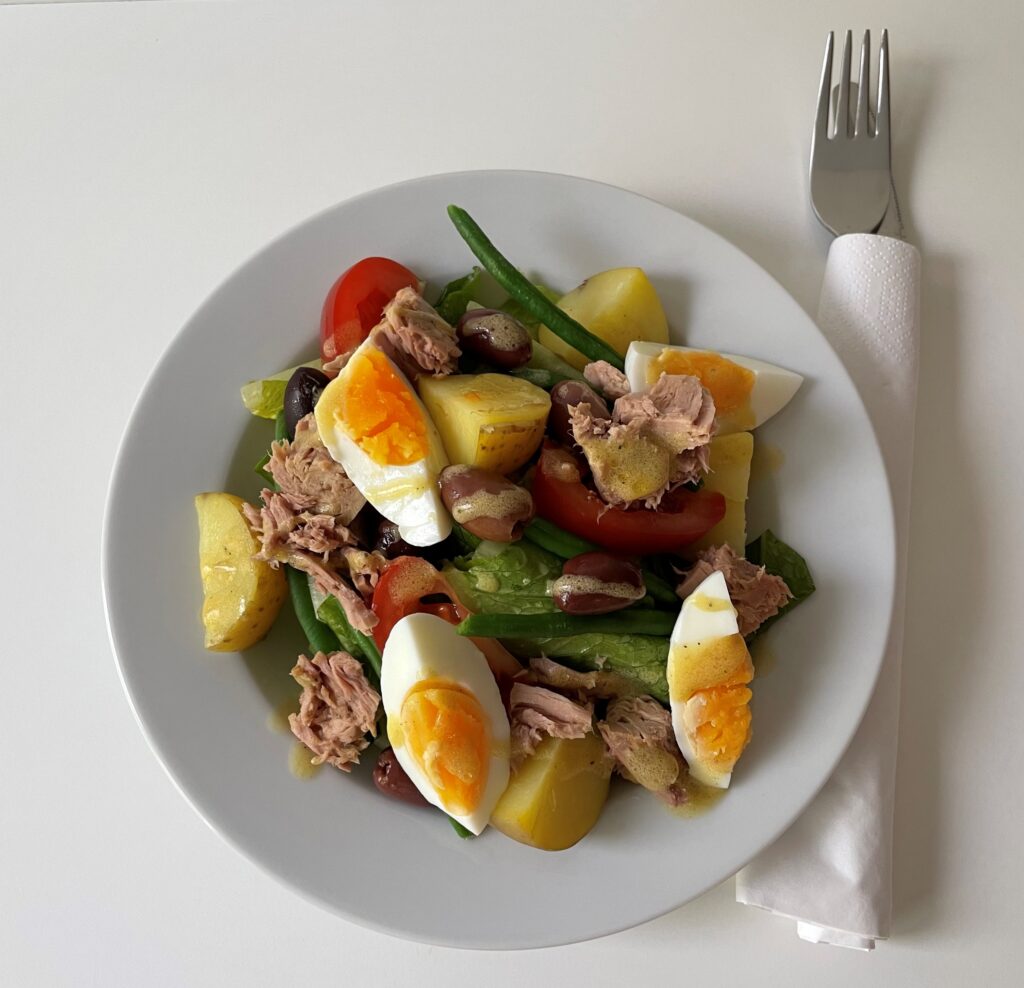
x=164 y=758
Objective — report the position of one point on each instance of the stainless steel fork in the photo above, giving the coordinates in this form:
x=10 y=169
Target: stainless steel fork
x=851 y=161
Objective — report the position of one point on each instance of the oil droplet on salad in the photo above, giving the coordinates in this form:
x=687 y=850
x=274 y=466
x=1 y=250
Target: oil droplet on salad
x=300 y=761
x=277 y=719
x=701 y=799
x=705 y=603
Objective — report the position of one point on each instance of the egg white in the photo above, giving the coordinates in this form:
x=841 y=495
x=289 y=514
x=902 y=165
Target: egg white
x=422 y=647
x=773 y=386
x=696 y=626
x=406 y=495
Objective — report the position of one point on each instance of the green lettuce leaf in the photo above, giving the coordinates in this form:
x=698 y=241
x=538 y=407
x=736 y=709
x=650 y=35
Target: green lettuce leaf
x=782 y=560
x=548 y=361
x=514 y=309
x=510 y=579
x=514 y=579
x=456 y=295
x=265 y=397
x=641 y=659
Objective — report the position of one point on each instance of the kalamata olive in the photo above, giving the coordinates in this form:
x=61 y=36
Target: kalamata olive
x=391 y=543
x=300 y=395
x=485 y=503
x=597 y=583
x=495 y=337
x=390 y=778
x=567 y=393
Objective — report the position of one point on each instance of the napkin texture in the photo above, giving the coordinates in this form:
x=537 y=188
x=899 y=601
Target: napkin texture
x=831 y=871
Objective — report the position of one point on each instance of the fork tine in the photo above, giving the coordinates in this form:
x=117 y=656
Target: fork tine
x=882 y=113
x=824 y=92
x=843 y=106
x=863 y=86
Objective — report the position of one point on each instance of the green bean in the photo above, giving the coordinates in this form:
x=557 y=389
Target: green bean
x=626 y=622
x=319 y=636
x=661 y=590
x=541 y=378
x=264 y=460
x=518 y=286
x=333 y=616
x=280 y=427
x=358 y=645
x=541 y=532
x=564 y=544
x=370 y=651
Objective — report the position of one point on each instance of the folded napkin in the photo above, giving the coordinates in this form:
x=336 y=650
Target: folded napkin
x=831 y=871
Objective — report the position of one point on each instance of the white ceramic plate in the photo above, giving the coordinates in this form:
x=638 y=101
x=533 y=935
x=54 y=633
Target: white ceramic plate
x=334 y=839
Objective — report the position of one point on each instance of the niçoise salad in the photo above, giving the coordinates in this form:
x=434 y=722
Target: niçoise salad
x=514 y=535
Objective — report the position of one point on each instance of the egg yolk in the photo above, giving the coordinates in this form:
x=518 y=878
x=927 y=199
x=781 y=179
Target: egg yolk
x=729 y=383
x=381 y=413
x=718 y=722
x=445 y=729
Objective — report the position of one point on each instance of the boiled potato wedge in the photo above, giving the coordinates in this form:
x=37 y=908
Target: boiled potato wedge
x=492 y=421
x=241 y=595
x=557 y=794
x=619 y=306
x=729 y=460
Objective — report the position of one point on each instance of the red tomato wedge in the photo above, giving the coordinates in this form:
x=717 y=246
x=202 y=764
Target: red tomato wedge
x=355 y=302
x=401 y=590
x=684 y=516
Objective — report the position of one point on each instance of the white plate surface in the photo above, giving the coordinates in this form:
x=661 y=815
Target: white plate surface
x=334 y=839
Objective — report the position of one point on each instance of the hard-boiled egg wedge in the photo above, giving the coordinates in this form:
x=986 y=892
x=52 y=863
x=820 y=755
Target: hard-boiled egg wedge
x=747 y=392
x=376 y=427
x=446 y=721
x=708 y=671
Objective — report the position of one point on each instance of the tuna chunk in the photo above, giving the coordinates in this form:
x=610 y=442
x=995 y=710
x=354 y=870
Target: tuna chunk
x=588 y=686
x=656 y=440
x=364 y=569
x=610 y=381
x=678 y=411
x=637 y=732
x=756 y=594
x=310 y=476
x=416 y=337
x=333 y=367
x=337 y=710
x=537 y=713
x=306 y=542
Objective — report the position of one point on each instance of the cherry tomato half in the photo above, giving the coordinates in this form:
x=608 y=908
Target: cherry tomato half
x=355 y=303
x=401 y=590
x=684 y=516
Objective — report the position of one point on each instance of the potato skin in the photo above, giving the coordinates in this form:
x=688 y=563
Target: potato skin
x=618 y=306
x=241 y=595
x=491 y=421
x=556 y=795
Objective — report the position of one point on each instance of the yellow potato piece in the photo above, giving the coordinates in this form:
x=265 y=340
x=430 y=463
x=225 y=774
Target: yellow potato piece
x=729 y=459
x=619 y=306
x=556 y=796
x=493 y=421
x=241 y=595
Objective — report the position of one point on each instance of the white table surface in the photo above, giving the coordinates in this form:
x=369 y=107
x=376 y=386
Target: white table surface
x=148 y=149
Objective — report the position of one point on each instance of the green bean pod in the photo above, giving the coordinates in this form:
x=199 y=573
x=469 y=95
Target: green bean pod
x=520 y=288
x=657 y=624
x=320 y=637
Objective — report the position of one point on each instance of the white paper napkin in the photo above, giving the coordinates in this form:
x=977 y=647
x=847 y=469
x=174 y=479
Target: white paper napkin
x=831 y=871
